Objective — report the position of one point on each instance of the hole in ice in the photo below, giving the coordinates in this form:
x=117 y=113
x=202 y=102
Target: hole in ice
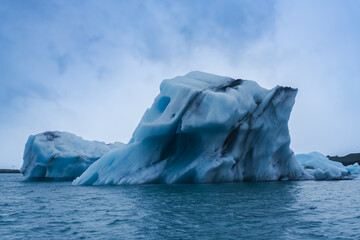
x=172 y=115
x=257 y=99
x=162 y=103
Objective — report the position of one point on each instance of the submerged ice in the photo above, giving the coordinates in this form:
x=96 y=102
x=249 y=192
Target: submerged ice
x=61 y=155
x=204 y=128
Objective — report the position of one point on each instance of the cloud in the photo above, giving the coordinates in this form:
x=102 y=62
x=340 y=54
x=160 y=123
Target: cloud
x=315 y=47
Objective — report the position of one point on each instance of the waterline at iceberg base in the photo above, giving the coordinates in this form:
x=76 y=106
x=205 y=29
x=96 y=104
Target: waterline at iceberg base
x=204 y=128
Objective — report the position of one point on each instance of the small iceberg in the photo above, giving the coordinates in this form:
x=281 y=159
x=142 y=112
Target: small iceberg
x=354 y=169
x=322 y=168
x=61 y=155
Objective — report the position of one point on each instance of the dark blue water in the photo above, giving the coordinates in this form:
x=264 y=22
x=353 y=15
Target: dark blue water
x=263 y=210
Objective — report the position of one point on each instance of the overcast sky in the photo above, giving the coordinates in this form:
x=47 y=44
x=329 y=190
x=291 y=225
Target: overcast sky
x=93 y=67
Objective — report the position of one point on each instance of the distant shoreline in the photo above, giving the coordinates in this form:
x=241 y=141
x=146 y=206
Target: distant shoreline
x=347 y=160
x=9 y=171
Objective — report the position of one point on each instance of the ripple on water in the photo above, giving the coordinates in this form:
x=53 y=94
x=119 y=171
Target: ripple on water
x=268 y=210
x=116 y=221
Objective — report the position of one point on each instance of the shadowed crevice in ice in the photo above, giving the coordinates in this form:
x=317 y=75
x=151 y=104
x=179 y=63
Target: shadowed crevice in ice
x=231 y=84
x=204 y=128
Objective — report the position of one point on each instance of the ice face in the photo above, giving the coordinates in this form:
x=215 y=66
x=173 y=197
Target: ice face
x=321 y=168
x=204 y=128
x=61 y=155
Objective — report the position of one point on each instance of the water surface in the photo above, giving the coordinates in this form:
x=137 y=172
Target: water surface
x=256 y=210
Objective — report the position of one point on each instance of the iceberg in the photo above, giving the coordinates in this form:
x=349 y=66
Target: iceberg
x=61 y=155
x=204 y=128
x=354 y=169
x=322 y=168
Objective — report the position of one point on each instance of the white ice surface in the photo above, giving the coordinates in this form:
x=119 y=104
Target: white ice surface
x=61 y=155
x=204 y=128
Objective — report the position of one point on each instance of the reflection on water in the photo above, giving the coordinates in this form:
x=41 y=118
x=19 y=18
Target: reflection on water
x=262 y=210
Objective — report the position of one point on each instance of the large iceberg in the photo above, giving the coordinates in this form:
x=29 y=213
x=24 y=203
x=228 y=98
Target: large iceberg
x=61 y=155
x=204 y=128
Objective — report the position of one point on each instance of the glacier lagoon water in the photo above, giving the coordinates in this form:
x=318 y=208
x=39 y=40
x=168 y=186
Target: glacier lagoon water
x=256 y=210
